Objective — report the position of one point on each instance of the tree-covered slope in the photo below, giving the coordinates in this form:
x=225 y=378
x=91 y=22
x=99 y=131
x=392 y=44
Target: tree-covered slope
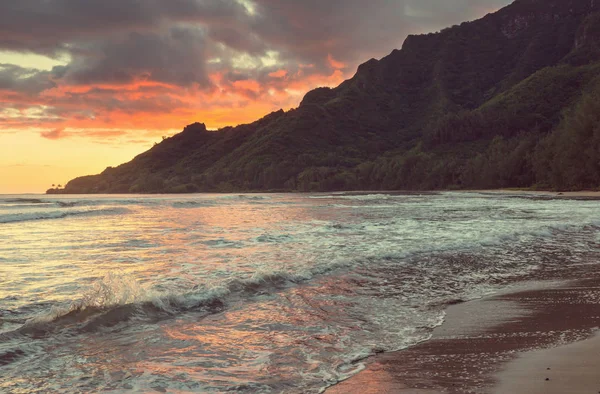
x=489 y=103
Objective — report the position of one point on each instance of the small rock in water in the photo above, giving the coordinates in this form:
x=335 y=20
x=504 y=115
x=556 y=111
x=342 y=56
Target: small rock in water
x=547 y=379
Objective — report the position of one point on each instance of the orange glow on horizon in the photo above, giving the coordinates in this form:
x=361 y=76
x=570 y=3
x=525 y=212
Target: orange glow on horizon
x=95 y=126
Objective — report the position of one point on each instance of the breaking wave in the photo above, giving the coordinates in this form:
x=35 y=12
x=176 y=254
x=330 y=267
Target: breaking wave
x=26 y=217
x=374 y=197
x=21 y=201
x=193 y=204
x=118 y=298
x=245 y=197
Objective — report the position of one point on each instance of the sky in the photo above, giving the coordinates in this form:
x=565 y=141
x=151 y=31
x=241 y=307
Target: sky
x=86 y=84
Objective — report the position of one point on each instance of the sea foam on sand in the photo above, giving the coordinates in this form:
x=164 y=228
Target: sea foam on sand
x=541 y=340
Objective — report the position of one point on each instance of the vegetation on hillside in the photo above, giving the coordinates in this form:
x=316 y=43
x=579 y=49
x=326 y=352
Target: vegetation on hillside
x=510 y=100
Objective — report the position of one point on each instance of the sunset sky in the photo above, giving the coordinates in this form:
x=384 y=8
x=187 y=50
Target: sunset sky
x=86 y=84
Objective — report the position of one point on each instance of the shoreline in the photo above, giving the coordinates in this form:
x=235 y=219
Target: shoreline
x=593 y=194
x=501 y=344
x=579 y=195
x=583 y=194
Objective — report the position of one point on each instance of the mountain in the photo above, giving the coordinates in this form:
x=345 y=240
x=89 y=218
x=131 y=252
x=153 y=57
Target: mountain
x=509 y=100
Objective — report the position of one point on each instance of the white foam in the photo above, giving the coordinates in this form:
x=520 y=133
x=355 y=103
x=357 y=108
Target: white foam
x=46 y=215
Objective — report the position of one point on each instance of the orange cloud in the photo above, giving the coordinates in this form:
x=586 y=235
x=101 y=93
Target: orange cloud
x=247 y=85
x=335 y=64
x=144 y=110
x=53 y=134
x=278 y=74
x=316 y=80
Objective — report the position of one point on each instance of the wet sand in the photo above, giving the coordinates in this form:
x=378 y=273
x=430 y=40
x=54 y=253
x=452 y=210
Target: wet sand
x=510 y=343
x=572 y=369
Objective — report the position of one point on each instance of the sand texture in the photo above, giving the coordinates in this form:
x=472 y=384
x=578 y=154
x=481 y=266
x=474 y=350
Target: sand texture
x=503 y=344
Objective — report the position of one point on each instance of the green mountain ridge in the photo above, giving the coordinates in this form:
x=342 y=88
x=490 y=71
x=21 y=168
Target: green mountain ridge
x=509 y=100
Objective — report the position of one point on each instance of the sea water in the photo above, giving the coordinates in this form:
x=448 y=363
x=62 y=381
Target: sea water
x=255 y=293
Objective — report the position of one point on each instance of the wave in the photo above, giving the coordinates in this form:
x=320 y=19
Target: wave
x=245 y=197
x=270 y=238
x=22 y=201
x=220 y=243
x=117 y=298
x=95 y=203
x=68 y=204
x=192 y=204
x=362 y=197
x=10 y=355
x=26 y=217
x=541 y=196
x=13 y=206
x=374 y=196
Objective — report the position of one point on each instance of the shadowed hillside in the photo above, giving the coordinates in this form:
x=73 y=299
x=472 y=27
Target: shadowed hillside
x=510 y=100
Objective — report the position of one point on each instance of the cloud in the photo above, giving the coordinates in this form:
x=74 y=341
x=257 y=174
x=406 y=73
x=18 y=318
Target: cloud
x=158 y=65
x=305 y=31
x=50 y=24
x=177 y=56
x=238 y=38
x=335 y=64
x=278 y=74
x=100 y=135
x=53 y=134
x=20 y=79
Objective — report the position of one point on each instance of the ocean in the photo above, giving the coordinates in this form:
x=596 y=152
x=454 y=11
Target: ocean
x=256 y=293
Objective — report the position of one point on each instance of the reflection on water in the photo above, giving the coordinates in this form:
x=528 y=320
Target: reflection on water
x=253 y=293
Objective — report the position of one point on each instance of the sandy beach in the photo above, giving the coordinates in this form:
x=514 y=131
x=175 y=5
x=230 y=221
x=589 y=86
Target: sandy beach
x=540 y=340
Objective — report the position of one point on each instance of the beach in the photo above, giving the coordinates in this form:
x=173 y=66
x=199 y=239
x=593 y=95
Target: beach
x=539 y=340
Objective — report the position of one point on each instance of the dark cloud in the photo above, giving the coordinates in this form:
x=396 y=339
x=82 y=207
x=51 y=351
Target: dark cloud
x=302 y=31
x=35 y=24
x=355 y=30
x=234 y=76
x=20 y=79
x=238 y=39
x=109 y=100
x=177 y=56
